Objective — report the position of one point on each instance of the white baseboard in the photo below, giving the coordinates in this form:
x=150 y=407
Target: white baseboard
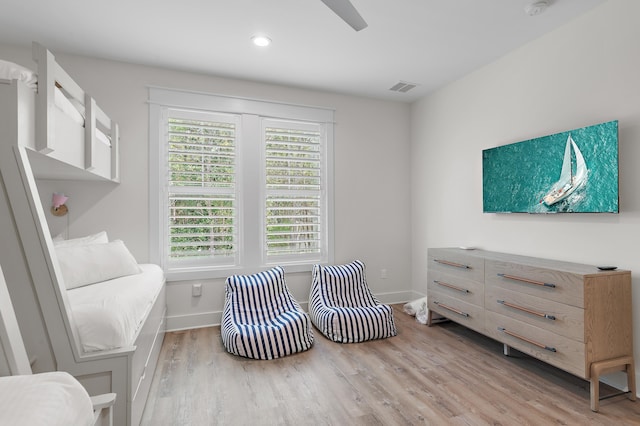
x=396 y=297
x=189 y=321
x=209 y=319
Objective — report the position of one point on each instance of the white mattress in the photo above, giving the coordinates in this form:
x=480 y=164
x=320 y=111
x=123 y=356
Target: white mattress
x=47 y=399
x=107 y=315
x=71 y=108
x=76 y=112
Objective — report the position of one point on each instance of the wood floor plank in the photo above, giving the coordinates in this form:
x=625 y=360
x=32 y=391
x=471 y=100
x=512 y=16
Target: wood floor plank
x=440 y=375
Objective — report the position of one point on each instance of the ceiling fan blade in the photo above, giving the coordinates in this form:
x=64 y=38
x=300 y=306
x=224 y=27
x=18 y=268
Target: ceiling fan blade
x=345 y=10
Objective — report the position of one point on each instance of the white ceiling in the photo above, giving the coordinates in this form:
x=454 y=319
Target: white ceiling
x=428 y=42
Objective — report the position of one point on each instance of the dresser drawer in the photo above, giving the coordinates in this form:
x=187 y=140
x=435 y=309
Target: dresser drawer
x=566 y=354
x=559 y=286
x=455 y=286
x=457 y=262
x=467 y=314
x=559 y=318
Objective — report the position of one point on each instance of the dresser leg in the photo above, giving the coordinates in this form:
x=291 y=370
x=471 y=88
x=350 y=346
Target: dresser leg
x=594 y=387
x=429 y=318
x=599 y=368
x=631 y=379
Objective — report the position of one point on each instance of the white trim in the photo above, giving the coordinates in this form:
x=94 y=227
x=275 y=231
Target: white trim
x=329 y=166
x=236 y=105
x=251 y=207
x=214 y=318
x=156 y=254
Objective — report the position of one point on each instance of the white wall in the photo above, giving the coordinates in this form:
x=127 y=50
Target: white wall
x=584 y=73
x=372 y=187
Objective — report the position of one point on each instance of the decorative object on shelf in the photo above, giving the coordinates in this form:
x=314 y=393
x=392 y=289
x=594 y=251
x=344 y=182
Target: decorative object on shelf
x=58 y=206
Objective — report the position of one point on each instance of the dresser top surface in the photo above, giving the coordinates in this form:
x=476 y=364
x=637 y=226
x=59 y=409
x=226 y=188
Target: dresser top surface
x=571 y=267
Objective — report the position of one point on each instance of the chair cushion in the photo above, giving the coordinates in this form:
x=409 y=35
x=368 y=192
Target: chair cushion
x=261 y=319
x=345 y=285
x=343 y=308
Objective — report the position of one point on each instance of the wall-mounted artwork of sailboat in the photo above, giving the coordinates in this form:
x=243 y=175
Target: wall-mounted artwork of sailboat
x=570 y=172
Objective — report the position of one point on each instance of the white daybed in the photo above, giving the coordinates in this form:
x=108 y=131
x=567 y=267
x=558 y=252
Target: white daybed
x=40 y=141
x=45 y=399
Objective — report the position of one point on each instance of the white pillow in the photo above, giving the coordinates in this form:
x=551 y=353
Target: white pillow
x=99 y=238
x=68 y=106
x=87 y=264
x=11 y=71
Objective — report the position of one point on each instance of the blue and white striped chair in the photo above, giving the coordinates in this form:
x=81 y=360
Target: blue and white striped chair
x=261 y=319
x=343 y=308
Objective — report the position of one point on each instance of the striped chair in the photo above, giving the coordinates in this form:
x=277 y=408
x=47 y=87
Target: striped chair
x=342 y=307
x=261 y=319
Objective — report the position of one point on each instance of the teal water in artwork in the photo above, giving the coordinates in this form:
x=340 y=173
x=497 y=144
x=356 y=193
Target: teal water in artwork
x=516 y=177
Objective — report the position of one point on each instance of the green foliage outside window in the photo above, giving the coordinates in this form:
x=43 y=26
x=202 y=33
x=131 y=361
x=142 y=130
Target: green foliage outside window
x=201 y=155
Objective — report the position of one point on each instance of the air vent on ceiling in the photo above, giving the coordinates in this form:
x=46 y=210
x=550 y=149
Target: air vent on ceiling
x=403 y=87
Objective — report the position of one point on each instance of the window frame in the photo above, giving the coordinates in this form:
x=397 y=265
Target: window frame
x=251 y=221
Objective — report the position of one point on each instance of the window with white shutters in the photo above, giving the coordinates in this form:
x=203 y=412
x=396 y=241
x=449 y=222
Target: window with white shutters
x=201 y=174
x=293 y=202
x=238 y=185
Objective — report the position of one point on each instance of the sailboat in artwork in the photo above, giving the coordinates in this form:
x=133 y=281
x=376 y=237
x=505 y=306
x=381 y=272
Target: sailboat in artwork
x=570 y=180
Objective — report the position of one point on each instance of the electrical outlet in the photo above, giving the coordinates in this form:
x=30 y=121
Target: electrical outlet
x=383 y=274
x=196 y=290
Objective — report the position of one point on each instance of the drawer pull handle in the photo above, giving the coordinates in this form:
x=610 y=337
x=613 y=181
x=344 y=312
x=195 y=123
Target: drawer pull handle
x=527 y=280
x=527 y=310
x=449 y=308
x=454 y=264
x=533 y=342
x=451 y=286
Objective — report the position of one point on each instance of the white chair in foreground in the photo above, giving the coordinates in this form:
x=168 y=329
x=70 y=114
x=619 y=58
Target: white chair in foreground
x=48 y=399
x=343 y=308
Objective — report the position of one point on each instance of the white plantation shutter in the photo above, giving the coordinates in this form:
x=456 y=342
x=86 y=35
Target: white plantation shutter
x=201 y=174
x=238 y=185
x=294 y=207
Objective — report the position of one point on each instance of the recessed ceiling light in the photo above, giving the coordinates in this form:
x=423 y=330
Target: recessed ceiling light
x=261 y=40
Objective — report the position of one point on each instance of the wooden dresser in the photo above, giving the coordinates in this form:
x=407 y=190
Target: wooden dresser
x=569 y=315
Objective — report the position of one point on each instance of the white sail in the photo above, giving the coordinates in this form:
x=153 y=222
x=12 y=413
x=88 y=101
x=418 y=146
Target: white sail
x=568 y=181
x=581 y=166
x=567 y=171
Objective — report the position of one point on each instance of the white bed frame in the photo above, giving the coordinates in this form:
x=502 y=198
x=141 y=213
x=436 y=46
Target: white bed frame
x=14 y=360
x=35 y=144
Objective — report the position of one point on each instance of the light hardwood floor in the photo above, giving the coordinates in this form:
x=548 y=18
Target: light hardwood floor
x=440 y=375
